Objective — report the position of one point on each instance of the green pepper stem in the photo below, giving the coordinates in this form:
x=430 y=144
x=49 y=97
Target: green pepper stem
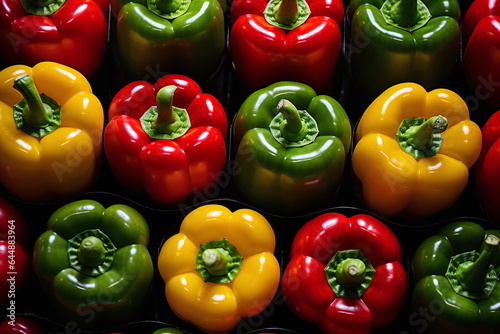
x=42 y=7
x=472 y=275
x=36 y=113
x=168 y=6
x=166 y=120
x=351 y=272
x=293 y=129
x=41 y=3
x=287 y=12
x=91 y=252
x=218 y=261
x=405 y=13
x=215 y=260
x=420 y=137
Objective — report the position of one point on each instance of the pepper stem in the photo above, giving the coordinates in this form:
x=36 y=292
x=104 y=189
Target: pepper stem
x=168 y=6
x=218 y=261
x=472 y=275
x=421 y=136
x=287 y=12
x=293 y=129
x=166 y=120
x=41 y=3
x=91 y=252
x=41 y=7
x=215 y=260
x=168 y=9
x=351 y=272
x=36 y=113
x=405 y=13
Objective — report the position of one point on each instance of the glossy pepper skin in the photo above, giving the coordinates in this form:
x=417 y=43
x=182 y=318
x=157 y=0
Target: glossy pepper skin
x=168 y=170
x=290 y=176
x=481 y=38
x=264 y=53
x=215 y=302
x=380 y=55
x=393 y=182
x=57 y=164
x=21 y=325
x=65 y=36
x=192 y=43
x=487 y=178
x=15 y=261
x=168 y=330
x=310 y=293
x=93 y=262
x=435 y=292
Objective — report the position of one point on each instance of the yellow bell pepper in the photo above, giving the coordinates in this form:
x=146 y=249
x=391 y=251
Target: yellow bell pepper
x=419 y=167
x=51 y=126
x=220 y=267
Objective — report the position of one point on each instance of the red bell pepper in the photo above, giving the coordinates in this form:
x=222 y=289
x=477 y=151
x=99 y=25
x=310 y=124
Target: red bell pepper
x=487 y=176
x=263 y=52
x=21 y=325
x=75 y=34
x=345 y=274
x=172 y=153
x=15 y=261
x=481 y=37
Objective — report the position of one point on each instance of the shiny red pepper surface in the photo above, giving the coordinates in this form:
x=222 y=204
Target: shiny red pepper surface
x=309 y=291
x=15 y=261
x=481 y=40
x=487 y=176
x=168 y=170
x=75 y=35
x=21 y=325
x=263 y=53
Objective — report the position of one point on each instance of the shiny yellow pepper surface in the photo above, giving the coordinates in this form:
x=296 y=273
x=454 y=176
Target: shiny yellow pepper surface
x=51 y=126
x=220 y=267
x=413 y=150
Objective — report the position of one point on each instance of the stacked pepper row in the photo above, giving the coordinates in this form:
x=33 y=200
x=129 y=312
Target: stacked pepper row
x=410 y=152
x=93 y=266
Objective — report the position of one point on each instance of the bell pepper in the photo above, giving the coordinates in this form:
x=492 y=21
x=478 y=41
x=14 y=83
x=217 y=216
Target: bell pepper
x=456 y=279
x=279 y=40
x=93 y=262
x=487 y=178
x=21 y=325
x=168 y=330
x=166 y=139
x=164 y=330
x=394 y=41
x=220 y=267
x=51 y=125
x=481 y=40
x=15 y=261
x=413 y=150
x=291 y=147
x=186 y=37
x=70 y=32
x=345 y=274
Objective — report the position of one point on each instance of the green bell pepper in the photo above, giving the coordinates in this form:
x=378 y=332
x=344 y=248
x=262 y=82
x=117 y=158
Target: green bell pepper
x=394 y=41
x=291 y=147
x=169 y=36
x=94 y=263
x=456 y=280
x=168 y=330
